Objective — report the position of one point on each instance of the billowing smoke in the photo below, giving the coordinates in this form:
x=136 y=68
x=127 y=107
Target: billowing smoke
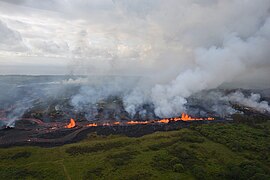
x=253 y=101
x=174 y=48
x=204 y=44
x=97 y=89
x=214 y=66
x=221 y=103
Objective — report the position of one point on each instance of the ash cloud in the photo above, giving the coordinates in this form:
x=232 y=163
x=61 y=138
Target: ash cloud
x=177 y=47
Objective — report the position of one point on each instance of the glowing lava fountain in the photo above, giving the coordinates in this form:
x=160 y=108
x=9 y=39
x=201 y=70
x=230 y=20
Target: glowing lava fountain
x=72 y=124
x=184 y=117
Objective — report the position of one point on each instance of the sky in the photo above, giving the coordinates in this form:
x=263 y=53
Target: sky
x=180 y=47
x=131 y=37
x=64 y=33
x=111 y=36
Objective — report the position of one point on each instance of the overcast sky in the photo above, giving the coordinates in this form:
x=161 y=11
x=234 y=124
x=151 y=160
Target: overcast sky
x=121 y=36
x=65 y=33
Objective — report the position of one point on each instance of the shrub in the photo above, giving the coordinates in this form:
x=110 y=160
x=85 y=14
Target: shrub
x=191 y=137
x=199 y=172
x=158 y=146
x=259 y=176
x=121 y=158
x=164 y=162
x=178 y=168
x=140 y=175
x=194 y=146
x=24 y=154
x=186 y=156
x=95 y=173
x=235 y=146
x=76 y=150
x=25 y=173
x=174 y=160
x=246 y=170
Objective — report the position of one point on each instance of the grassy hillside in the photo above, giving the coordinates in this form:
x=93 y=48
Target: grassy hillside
x=214 y=151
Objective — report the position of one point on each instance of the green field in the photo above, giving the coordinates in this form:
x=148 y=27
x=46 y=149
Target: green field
x=213 y=151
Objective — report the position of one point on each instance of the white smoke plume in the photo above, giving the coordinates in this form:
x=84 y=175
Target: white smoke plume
x=177 y=47
x=18 y=111
x=253 y=101
x=238 y=52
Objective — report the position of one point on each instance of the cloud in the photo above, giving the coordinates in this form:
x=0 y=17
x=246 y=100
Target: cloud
x=10 y=40
x=179 y=47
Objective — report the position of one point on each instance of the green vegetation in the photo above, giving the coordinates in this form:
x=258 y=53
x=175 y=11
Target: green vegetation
x=253 y=143
x=210 y=151
x=75 y=150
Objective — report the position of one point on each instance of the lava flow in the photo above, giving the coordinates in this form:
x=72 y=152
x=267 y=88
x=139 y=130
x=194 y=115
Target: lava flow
x=184 y=117
x=92 y=125
x=72 y=124
x=138 y=122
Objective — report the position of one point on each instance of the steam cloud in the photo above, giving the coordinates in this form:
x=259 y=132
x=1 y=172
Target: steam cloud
x=176 y=47
x=253 y=101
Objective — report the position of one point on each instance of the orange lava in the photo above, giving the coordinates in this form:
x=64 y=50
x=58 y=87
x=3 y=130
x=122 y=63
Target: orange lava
x=184 y=117
x=92 y=125
x=165 y=121
x=72 y=124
